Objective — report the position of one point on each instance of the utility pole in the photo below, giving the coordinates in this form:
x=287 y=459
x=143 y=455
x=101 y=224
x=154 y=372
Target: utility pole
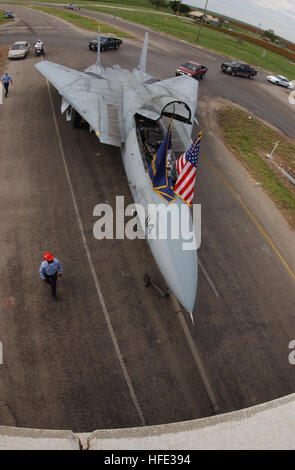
x=202 y=20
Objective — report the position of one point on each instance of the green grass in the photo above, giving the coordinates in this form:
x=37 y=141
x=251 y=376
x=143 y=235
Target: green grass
x=127 y=3
x=83 y=22
x=179 y=27
x=2 y=19
x=250 y=140
x=214 y=40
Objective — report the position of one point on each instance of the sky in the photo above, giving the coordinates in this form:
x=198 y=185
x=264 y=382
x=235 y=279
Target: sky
x=278 y=15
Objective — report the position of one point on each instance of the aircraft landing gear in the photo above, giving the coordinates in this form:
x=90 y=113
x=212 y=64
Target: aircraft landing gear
x=78 y=121
x=147 y=282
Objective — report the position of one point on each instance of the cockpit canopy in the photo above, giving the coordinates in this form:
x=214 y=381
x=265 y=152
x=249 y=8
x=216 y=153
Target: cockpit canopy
x=163 y=105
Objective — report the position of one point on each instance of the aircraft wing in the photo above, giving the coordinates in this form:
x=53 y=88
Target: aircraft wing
x=90 y=96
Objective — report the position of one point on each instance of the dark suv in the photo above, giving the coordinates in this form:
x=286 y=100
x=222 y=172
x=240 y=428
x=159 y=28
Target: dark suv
x=8 y=14
x=238 y=68
x=106 y=43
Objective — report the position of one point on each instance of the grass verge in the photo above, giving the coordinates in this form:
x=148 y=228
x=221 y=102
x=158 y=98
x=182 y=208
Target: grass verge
x=83 y=21
x=2 y=19
x=181 y=28
x=178 y=26
x=250 y=140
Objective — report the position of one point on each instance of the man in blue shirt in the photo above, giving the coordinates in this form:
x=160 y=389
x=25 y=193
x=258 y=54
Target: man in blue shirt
x=6 y=79
x=49 y=270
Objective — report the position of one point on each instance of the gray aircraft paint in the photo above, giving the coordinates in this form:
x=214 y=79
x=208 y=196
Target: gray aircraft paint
x=108 y=99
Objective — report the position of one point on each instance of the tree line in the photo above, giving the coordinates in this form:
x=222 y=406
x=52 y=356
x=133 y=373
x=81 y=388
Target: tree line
x=175 y=5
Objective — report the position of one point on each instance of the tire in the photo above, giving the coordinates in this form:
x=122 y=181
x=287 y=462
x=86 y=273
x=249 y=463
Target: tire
x=76 y=120
x=234 y=73
x=202 y=76
x=251 y=76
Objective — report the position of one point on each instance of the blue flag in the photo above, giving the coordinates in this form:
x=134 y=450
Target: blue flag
x=157 y=171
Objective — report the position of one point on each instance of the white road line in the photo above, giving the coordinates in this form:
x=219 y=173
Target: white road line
x=93 y=272
x=27 y=27
x=195 y=353
x=208 y=278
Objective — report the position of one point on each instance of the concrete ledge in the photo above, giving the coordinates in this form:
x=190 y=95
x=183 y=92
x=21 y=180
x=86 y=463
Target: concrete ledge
x=37 y=439
x=267 y=426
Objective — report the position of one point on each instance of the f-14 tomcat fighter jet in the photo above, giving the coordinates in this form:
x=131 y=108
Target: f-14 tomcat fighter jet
x=132 y=110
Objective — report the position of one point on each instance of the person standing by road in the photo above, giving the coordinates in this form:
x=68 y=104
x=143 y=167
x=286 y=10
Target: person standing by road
x=49 y=270
x=6 y=79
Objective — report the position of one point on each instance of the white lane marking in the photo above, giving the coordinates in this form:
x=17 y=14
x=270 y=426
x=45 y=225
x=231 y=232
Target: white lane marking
x=27 y=27
x=93 y=271
x=196 y=356
x=208 y=278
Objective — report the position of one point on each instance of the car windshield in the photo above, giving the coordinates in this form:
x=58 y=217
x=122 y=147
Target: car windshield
x=189 y=66
x=282 y=78
x=103 y=39
x=17 y=47
x=236 y=63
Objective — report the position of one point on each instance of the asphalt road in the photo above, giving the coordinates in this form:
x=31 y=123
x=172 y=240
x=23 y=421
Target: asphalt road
x=281 y=113
x=61 y=366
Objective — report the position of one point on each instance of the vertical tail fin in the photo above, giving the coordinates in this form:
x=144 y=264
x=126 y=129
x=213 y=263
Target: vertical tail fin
x=98 y=48
x=143 y=55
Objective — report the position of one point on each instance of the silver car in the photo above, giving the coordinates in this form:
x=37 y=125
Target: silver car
x=280 y=80
x=19 y=50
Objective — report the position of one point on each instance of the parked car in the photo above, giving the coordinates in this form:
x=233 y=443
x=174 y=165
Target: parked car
x=71 y=6
x=19 y=50
x=106 y=42
x=238 y=68
x=280 y=80
x=8 y=14
x=193 y=69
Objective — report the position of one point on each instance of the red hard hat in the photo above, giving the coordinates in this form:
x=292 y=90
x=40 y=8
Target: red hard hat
x=48 y=256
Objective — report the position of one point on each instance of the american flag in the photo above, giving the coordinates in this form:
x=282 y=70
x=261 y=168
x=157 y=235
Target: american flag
x=187 y=169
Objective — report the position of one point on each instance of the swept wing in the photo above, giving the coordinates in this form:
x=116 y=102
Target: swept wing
x=89 y=95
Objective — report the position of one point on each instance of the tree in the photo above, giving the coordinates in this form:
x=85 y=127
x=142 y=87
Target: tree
x=269 y=34
x=175 y=6
x=158 y=3
x=184 y=9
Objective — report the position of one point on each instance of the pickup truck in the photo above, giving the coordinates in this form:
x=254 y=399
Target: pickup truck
x=238 y=68
x=193 y=69
x=8 y=14
x=106 y=43
x=71 y=6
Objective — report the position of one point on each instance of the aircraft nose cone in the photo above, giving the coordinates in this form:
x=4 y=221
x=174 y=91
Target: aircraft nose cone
x=179 y=269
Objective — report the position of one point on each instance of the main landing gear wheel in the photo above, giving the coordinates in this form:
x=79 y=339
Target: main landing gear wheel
x=78 y=121
x=147 y=282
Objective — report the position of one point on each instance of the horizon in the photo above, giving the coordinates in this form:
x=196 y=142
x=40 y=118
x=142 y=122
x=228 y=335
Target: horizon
x=263 y=14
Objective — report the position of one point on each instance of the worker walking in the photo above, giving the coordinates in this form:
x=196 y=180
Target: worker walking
x=6 y=79
x=49 y=270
